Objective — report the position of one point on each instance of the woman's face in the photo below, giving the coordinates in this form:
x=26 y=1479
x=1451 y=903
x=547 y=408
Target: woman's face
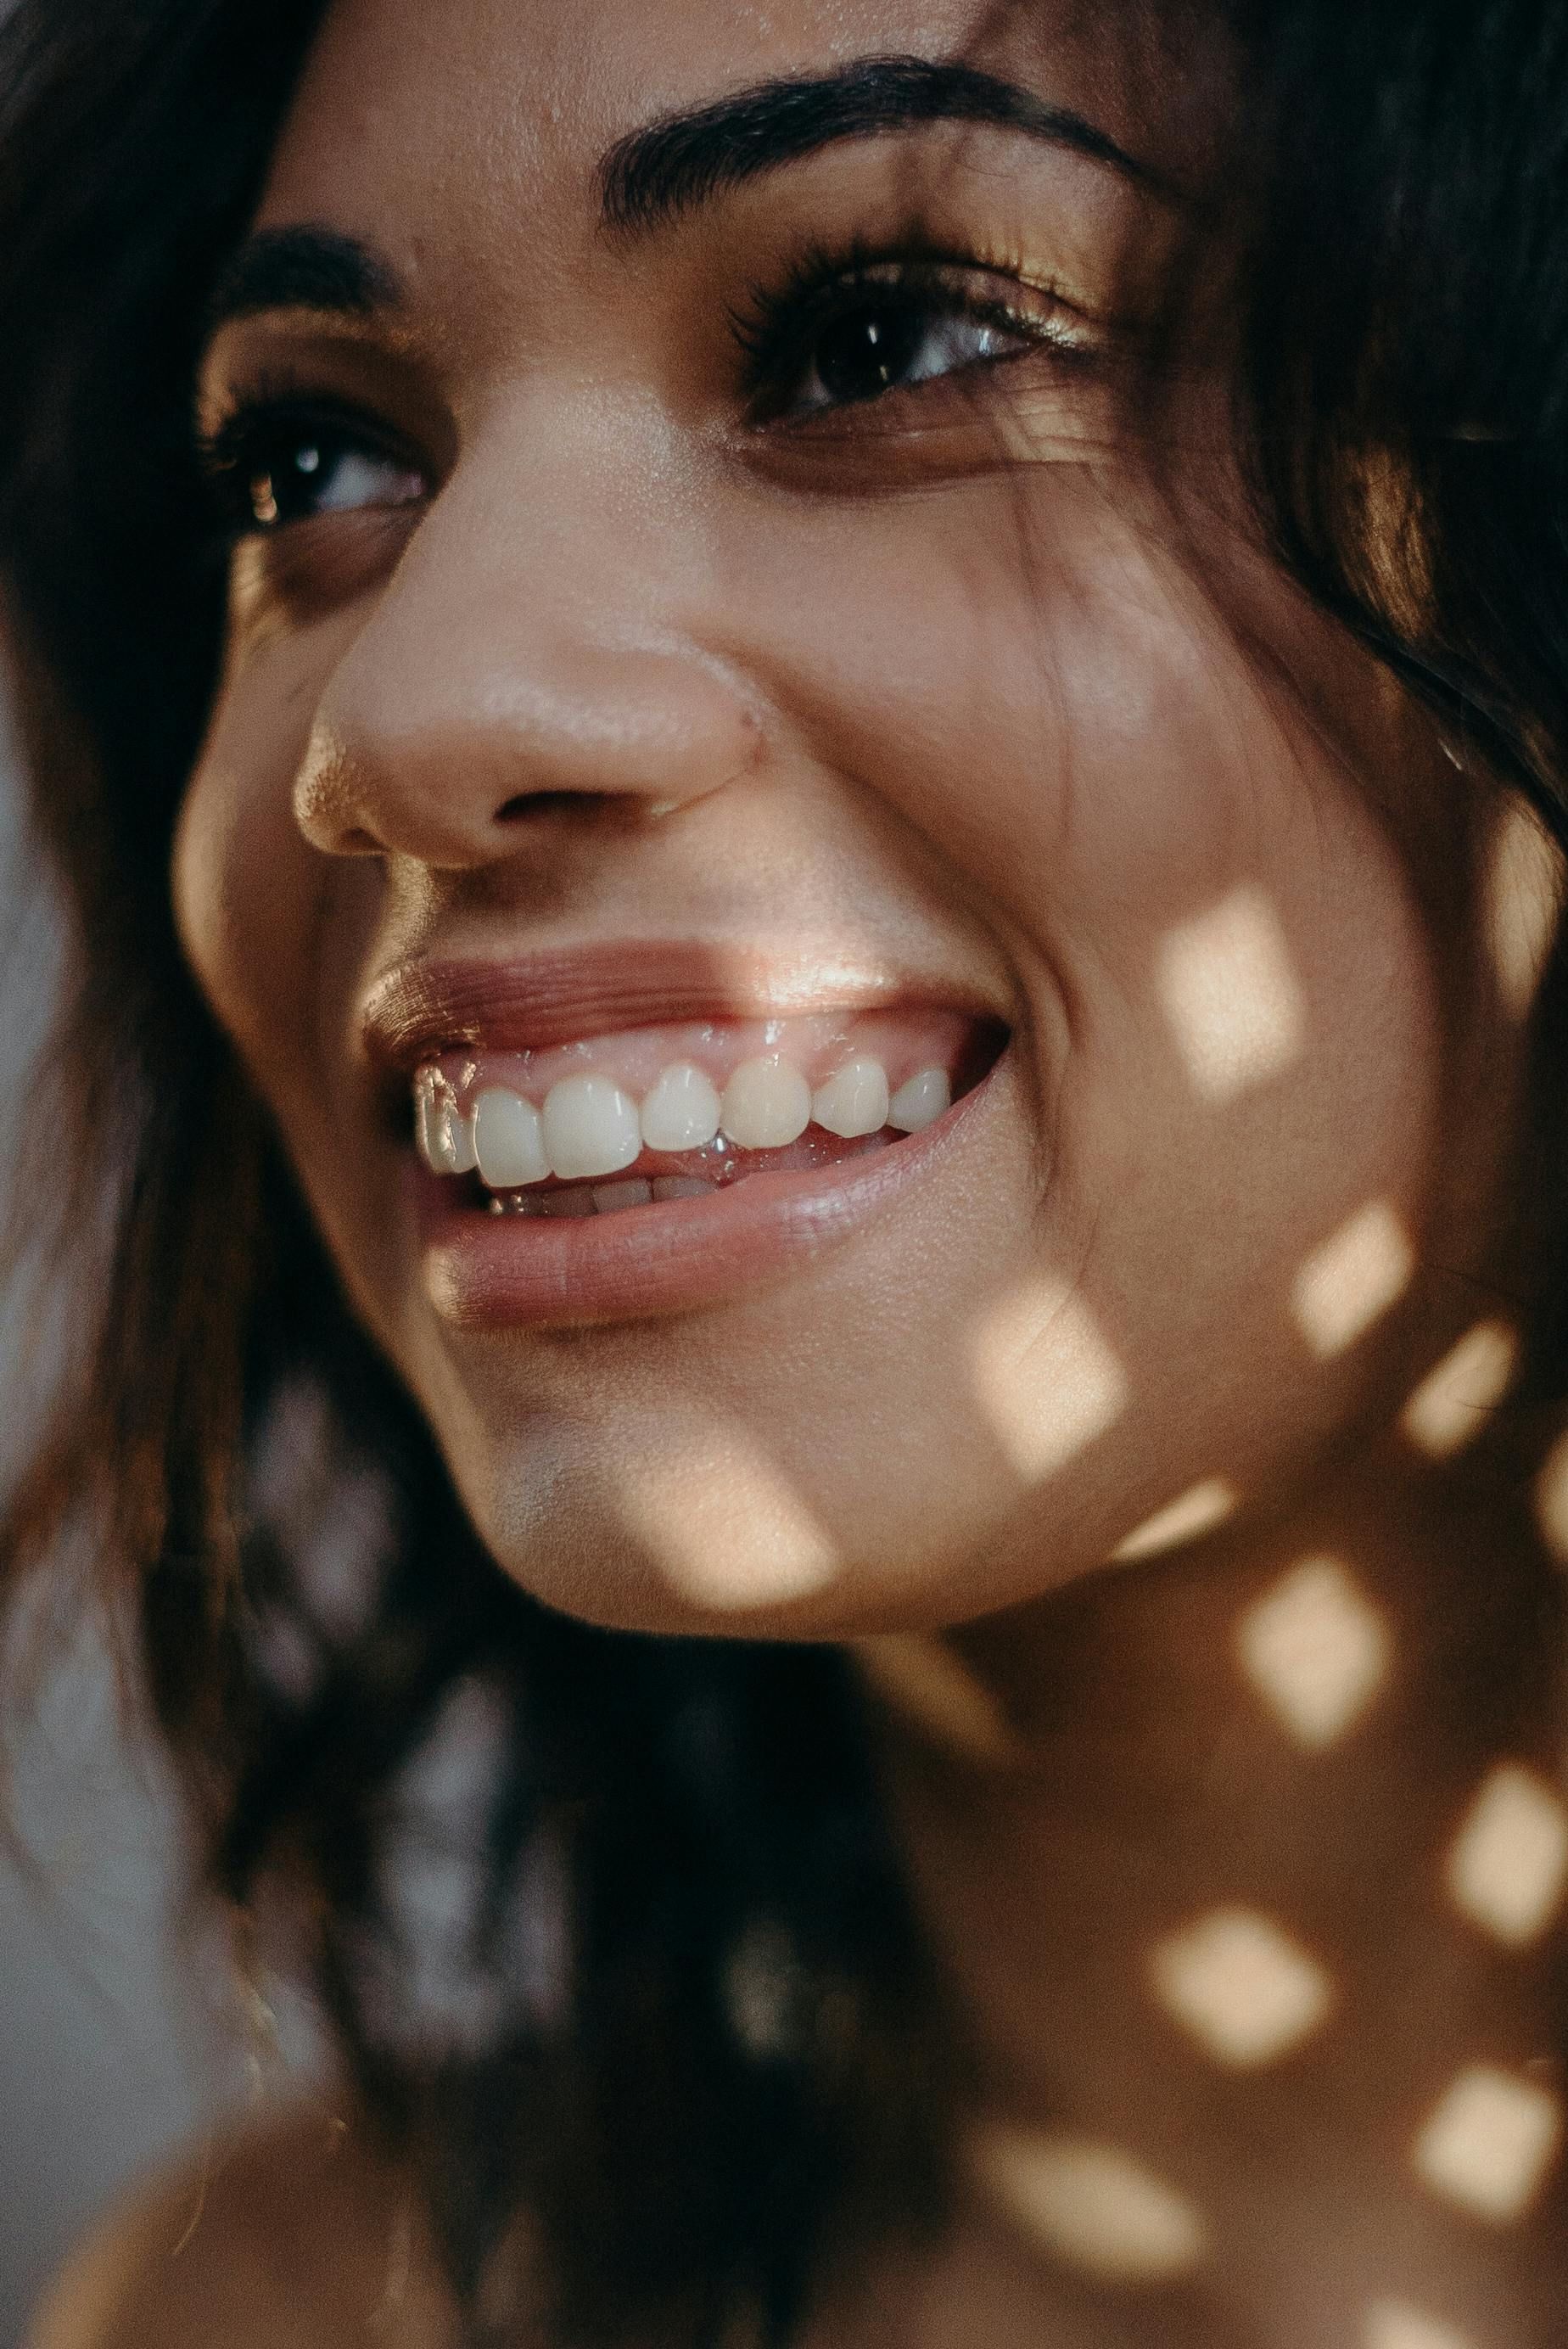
x=709 y=624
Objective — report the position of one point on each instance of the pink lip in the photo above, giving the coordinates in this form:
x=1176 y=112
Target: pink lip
x=485 y=1271
x=533 y=1002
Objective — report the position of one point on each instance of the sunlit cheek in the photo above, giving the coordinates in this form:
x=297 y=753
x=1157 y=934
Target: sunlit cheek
x=1450 y=1406
x=1524 y=907
x=1045 y=1378
x=720 y=1523
x=1395 y=2324
x=1353 y=1279
x=1488 y=2144
x=1241 y=1987
x=1091 y=2204
x=1509 y=1863
x=1316 y=1650
x=1229 y=990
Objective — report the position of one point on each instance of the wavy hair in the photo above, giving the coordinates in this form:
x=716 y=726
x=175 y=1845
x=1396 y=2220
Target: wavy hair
x=567 y=1894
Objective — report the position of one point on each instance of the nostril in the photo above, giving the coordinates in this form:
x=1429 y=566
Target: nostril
x=528 y=805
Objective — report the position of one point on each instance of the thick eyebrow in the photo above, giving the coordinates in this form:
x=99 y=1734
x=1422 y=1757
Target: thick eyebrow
x=654 y=174
x=304 y=268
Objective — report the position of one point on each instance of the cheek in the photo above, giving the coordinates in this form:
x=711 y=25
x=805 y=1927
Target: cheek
x=1234 y=1031
x=250 y=894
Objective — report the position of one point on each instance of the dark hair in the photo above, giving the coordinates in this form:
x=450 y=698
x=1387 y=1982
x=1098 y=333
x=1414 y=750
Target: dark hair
x=670 y=1915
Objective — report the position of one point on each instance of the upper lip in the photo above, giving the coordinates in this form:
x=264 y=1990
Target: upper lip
x=422 y=1008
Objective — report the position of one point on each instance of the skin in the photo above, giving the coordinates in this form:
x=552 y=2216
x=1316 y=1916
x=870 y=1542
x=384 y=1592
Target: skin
x=971 y=688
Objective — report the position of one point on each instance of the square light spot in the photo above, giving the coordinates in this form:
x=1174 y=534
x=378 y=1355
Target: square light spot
x=1552 y=1500
x=1045 y=1378
x=1187 y=1518
x=1509 y=1860
x=1524 y=904
x=1450 y=1406
x=1353 y=1279
x=1229 y=992
x=1488 y=2144
x=1241 y=1987
x=1316 y=1650
x=1091 y=2204
x=1395 y=2324
x=918 y=1676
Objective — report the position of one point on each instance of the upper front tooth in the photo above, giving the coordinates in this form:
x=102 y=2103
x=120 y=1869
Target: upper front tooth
x=682 y=1113
x=921 y=1101
x=590 y=1127
x=853 y=1101
x=766 y=1104
x=508 y=1140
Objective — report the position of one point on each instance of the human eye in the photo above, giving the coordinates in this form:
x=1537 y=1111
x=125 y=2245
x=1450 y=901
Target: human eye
x=843 y=334
x=274 y=463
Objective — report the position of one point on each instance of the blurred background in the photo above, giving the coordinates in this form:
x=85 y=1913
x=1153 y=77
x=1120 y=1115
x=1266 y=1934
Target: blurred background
x=123 y=2035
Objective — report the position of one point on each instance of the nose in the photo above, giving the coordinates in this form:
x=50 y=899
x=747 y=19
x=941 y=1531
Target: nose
x=536 y=661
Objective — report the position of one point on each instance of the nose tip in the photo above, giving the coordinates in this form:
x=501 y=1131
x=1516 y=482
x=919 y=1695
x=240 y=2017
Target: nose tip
x=467 y=766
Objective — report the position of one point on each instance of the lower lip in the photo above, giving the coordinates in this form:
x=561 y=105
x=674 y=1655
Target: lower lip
x=485 y=1271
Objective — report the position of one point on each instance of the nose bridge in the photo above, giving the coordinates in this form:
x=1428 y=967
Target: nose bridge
x=540 y=637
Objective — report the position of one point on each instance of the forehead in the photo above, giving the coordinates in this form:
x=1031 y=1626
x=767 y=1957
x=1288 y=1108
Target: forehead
x=414 y=119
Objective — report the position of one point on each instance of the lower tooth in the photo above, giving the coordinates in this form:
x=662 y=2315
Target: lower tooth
x=567 y=1204
x=608 y=1197
x=682 y=1186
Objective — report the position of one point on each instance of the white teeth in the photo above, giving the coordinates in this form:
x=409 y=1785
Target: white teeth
x=682 y=1113
x=609 y=1196
x=766 y=1104
x=682 y=1186
x=590 y=1127
x=853 y=1101
x=508 y=1140
x=922 y=1102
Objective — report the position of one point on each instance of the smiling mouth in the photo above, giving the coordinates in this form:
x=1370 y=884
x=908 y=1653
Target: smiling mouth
x=652 y=1117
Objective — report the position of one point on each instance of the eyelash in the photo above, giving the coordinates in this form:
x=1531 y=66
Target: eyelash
x=774 y=330
x=274 y=416
x=775 y=325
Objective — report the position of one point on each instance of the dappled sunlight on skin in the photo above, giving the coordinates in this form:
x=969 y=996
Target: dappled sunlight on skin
x=1241 y=1987
x=1450 y=1407
x=1091 y=2204
x=1194 y=1513
x=920 y=1679
x=1230 y=994
x=1317 y=1650
x=1509 y=1863
x=1488 y=2144
x=719 y=1521
x=1552 y=1501
x=1395 y=2324
x=1524 y=902
x=1357 y=1275
x=1045 y=1379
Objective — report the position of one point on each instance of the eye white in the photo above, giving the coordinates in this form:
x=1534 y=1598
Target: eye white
x=350 y=478
x=947 y=345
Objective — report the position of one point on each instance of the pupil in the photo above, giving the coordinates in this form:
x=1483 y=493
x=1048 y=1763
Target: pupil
x=868 y=352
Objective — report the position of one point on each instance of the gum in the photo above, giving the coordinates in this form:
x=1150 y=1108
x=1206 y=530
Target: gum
x=906 y=1041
